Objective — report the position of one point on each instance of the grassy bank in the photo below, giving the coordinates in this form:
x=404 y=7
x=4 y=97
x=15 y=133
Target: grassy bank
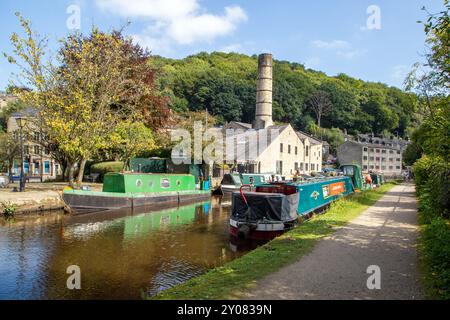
x=432 y=176
x=231 y=279
x=434 y=247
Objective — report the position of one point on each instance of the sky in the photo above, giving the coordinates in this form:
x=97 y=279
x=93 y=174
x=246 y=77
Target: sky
x=376 y=40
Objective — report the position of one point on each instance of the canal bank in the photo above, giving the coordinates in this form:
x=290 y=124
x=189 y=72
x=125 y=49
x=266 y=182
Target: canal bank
x=234 y=279
x=37 y=199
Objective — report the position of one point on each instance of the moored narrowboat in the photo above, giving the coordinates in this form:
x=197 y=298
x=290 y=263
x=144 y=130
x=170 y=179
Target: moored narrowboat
x=275 y=208
x=130 y=190
x=233 y=181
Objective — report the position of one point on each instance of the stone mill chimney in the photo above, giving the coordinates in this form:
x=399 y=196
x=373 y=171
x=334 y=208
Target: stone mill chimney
x=263 y=114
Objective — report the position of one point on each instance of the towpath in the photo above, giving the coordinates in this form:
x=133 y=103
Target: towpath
x=384 y=235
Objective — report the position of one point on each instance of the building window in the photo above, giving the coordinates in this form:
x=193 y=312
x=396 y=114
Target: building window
x=365 y=149
x=383 y=151
x=371 y=158
x=313 y=166
x=377 y=159
x=36 y=136
x=391 y=167
x=279 y=166
x=391 y=152
x=307 y=152
x=289 y=148
x=365 y=158
x=377 y=150
x=391 y=159
x=26 y=149
x=398 y=152
x=296 y=150
x=47 y=151
x=398 y=159
x=37 y=168
x=371 y=167
x=306 y=166
x=296 y=166
x=37 y=150
x=301 y=166
x=364 y=167
x=46 y=167
x=383 y=159
x=398 y=167
x=383 y=167
x=281 y=147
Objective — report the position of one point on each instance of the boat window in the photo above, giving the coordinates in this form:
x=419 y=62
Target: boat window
x=138 y=183
x=178 y=182
x=165 y=183
x=348 y=171
x=150 y=184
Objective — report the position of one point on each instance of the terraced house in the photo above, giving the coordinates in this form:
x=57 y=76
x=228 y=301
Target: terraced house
x=374 y=153
x=38 y=162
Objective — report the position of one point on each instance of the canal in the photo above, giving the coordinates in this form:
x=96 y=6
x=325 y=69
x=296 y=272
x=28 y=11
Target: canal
x=121 y=255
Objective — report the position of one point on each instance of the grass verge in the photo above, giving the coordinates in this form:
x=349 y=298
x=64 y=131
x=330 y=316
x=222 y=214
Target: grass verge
x=232 y=279
x=434 y=248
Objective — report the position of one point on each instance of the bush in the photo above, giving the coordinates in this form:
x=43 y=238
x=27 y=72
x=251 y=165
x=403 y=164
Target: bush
x=432 y=177
x=9 y=210
x=435 y=249
x=105 y=167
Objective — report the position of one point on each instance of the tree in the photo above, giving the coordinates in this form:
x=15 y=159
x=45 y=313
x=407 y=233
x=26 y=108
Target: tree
x=130 y=139
x=320 y=103
x=101 y=80
x=9 y=150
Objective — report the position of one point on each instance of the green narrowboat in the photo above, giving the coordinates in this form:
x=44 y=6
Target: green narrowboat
x=273 y=208
x=130 y=190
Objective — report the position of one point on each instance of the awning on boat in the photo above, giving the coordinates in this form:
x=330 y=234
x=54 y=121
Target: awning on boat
x=271 y=206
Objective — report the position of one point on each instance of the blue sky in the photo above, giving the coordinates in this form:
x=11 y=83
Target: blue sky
x=330 y=36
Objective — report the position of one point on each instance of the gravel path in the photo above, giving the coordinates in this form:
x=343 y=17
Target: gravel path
x=383 y=235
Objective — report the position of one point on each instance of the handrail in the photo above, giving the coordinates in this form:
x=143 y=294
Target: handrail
x=242 y=194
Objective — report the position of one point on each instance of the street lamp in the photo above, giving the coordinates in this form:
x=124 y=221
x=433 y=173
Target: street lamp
x=21 y=122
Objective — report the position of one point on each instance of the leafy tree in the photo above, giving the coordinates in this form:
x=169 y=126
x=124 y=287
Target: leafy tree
x=101 y=80
x=9 y=150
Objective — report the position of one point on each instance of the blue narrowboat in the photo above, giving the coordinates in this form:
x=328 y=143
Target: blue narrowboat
x=273 y=208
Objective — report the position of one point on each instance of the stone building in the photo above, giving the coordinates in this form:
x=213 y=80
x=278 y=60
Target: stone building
x=284 y=150
x=38 y=162
x=373 y=153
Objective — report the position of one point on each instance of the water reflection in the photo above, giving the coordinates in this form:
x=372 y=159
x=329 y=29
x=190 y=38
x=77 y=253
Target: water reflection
x=121 y=254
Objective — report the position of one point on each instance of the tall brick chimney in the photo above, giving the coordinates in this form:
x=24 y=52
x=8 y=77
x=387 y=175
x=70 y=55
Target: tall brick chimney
x=263 y=114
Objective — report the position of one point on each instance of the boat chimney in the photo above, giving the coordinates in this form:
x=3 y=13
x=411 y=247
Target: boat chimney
x=263 y=114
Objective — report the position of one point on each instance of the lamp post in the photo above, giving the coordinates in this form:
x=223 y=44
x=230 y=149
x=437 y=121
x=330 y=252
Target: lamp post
x=20 y=123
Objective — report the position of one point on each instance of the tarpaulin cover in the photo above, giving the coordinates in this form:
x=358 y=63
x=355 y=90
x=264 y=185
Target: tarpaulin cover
x=272 y=206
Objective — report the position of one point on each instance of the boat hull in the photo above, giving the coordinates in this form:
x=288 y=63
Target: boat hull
x=83 y=203
x=259 y=231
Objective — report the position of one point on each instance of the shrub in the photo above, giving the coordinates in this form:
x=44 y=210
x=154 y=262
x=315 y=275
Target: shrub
x=432 y=177
x=9 y=210
x=435 y=249
x=105 y=167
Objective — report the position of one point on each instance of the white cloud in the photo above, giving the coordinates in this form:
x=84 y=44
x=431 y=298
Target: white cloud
x=312 y=63
x=399 y=73
x=334 y=44
x=340 y=47
x=235 y=47
x=181 y=22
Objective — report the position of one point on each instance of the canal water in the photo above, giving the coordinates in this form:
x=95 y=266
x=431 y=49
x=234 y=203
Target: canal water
x=121 y=255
